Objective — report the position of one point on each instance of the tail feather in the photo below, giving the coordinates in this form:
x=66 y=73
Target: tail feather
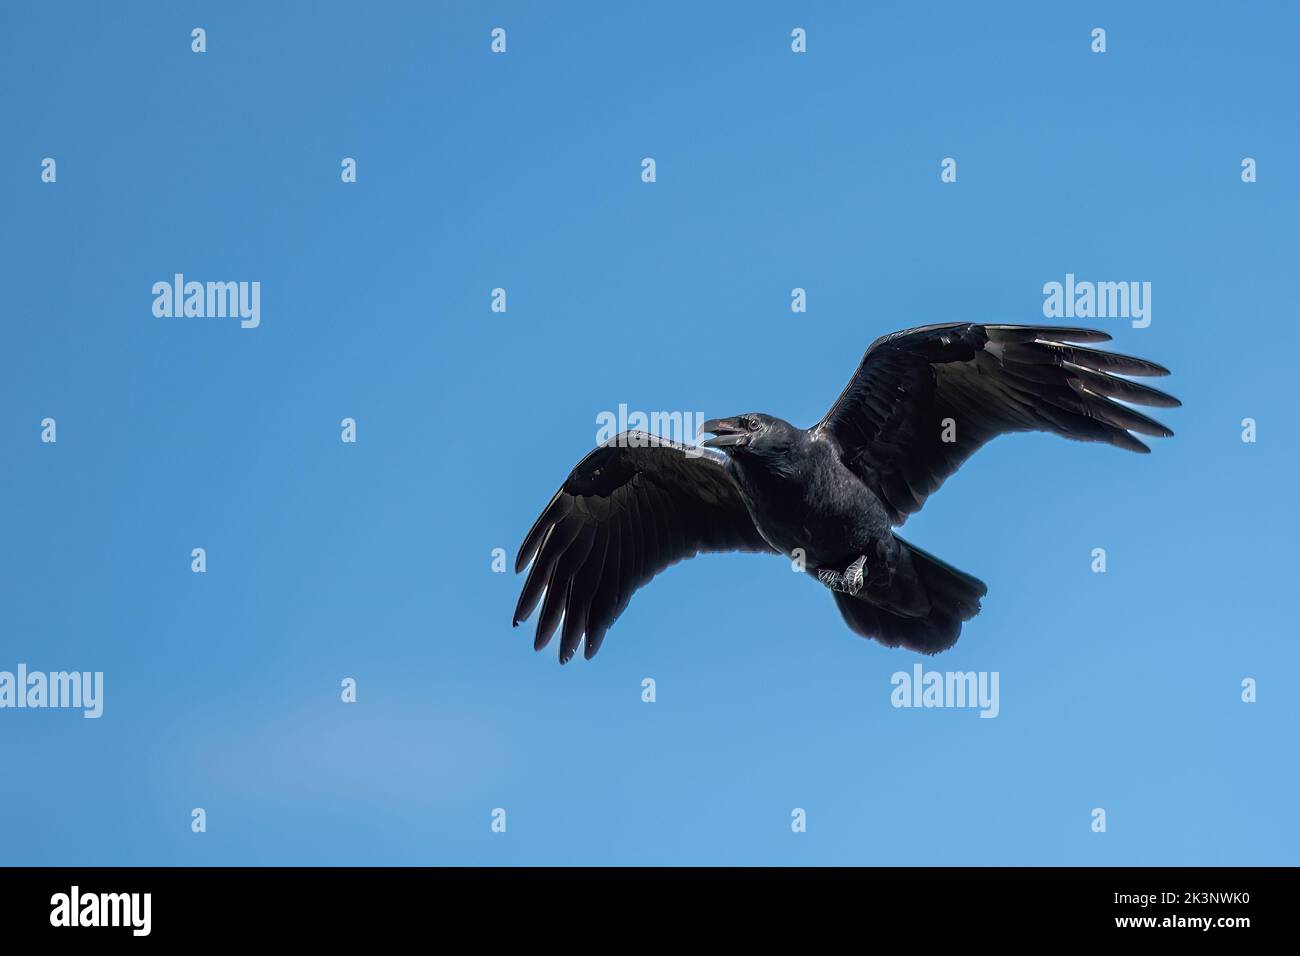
x=951 y=597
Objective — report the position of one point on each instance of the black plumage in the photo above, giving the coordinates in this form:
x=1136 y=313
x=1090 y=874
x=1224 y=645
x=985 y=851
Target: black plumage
x=920 y=403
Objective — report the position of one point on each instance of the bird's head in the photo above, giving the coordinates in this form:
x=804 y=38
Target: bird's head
x=750 y=434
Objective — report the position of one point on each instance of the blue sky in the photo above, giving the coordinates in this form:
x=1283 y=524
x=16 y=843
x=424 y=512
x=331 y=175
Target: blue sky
x=372 y=560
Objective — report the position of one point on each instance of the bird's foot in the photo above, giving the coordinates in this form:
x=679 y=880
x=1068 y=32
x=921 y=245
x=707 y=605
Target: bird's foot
x=849 y=581
x=856 y=574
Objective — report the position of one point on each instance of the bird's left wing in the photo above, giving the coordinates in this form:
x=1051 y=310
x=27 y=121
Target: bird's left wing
x=922 y=401
x=631 y=508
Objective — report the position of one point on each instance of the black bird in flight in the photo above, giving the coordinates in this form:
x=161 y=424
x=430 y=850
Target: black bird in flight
x=921 y=402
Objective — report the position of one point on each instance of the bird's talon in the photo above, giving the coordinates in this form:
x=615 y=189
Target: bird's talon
x=855 y=575
x=849 y=581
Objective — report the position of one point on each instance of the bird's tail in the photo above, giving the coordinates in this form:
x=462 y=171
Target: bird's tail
x=928 y=622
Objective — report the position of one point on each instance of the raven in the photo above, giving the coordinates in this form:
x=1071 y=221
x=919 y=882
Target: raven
x=920 y=403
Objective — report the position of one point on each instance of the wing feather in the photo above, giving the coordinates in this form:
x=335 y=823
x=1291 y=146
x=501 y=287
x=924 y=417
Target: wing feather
x=924 y=400
x=630 y=509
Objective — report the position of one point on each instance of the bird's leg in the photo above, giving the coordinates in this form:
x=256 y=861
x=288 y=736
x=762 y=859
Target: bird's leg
x=849 y=581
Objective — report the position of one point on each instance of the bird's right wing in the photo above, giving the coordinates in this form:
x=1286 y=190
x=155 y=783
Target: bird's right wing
x=922 y=401
x=631 y=508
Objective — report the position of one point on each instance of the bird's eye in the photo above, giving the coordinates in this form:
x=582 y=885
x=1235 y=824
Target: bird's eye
x=751 y=424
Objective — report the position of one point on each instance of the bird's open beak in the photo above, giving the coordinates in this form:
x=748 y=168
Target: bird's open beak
x=726 y=432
